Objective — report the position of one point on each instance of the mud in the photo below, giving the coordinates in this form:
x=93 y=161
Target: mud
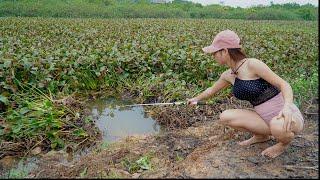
x=197 y=148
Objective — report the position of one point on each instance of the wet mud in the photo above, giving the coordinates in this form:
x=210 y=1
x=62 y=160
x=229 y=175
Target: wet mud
x=195 y=145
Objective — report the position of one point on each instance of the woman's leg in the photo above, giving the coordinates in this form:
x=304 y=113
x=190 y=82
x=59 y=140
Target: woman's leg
x=246 y=120
x=284 y=138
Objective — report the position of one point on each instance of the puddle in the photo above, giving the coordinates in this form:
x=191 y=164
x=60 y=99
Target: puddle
x=113 y=120
x=116 y=121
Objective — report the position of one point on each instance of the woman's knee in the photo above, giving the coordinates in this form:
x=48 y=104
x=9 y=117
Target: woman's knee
x=226 y=116
x=277 y=130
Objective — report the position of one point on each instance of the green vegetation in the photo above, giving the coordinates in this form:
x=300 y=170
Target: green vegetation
x=146 y=9
x=142 y=163
x=43 y=60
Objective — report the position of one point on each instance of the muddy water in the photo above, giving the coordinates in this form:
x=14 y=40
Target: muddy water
x=113 y=120
x=116 y=121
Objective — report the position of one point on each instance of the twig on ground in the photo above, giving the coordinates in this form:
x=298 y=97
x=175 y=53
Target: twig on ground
x=302 y=167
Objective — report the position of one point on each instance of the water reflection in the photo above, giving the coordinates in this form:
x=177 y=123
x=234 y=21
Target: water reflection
x=117 y=122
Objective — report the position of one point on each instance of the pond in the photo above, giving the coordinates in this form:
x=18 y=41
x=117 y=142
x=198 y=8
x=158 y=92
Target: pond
x=115 y=121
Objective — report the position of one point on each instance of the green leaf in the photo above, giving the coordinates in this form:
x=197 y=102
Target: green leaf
x=57 y=143
x=84 y=172
x=7 y=63
x=144 y=162
x=53 y=145
x=80 y=133
x=24 y=110
x=4 y=100
x=88 y=119
x=16 y=129
x=47 y=103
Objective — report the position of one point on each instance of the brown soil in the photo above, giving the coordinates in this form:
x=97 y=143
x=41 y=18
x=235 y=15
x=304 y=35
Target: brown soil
x=195 y=146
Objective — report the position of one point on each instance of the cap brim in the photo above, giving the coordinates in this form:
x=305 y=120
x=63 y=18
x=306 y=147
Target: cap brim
x=210 y=49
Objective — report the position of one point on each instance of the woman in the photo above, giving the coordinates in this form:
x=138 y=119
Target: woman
x=275 y=113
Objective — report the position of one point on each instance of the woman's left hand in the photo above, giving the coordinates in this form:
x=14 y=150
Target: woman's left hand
x=286 y=113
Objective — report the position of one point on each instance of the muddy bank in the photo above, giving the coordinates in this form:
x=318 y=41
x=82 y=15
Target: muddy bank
x=205 y=151
x=195 y=146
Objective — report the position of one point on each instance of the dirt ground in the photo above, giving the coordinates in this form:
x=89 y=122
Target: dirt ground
x=201 y=148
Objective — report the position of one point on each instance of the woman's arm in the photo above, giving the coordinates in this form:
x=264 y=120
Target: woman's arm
x=216 y=87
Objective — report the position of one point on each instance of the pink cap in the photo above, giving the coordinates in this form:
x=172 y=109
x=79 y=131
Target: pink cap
x=224 y=39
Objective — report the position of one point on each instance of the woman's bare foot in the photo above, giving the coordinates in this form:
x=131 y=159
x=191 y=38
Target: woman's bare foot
x=275 y=150
x=254 y=139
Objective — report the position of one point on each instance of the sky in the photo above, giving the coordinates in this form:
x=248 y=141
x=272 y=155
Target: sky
x=248 y=3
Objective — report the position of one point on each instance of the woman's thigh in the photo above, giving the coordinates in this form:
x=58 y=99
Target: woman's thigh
x=296 y=125
x=245 y=119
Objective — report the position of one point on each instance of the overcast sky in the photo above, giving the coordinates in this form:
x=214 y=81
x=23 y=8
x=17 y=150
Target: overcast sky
x=248 y=3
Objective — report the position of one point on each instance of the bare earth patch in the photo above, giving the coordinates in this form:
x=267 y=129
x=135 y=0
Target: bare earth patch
x=200 y=149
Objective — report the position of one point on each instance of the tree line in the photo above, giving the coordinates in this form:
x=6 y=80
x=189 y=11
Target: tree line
x=149 y=9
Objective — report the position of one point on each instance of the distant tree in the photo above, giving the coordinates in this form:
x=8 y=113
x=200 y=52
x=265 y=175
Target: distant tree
x=306 y=14
x=142 y=1
x=291 y=5
x=159 y=1
x=181 y=2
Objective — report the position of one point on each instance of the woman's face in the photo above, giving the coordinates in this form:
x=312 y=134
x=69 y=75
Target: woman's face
x=220 y=57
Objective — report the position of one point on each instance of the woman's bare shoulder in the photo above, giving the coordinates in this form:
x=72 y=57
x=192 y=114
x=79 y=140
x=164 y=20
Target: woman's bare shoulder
x=254 y=61
x=257 y=64
x=226 y=75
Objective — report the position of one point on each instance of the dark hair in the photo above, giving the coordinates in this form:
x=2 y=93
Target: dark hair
x=236 y=54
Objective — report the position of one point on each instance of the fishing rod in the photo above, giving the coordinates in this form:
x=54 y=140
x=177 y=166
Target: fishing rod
x=159 y=104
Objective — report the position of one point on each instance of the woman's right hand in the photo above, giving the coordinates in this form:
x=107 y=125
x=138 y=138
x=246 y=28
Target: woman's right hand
x=192 y=101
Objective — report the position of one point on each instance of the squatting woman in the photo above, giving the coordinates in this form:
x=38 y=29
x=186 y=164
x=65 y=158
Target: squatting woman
x=252 y=80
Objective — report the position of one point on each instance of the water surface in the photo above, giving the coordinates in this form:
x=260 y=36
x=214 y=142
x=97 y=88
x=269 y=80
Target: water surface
x=116 y=121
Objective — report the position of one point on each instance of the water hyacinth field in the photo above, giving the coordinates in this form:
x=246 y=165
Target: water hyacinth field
x=49 y=65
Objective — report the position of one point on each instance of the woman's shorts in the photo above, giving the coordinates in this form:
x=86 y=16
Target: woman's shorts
x=272 y=108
